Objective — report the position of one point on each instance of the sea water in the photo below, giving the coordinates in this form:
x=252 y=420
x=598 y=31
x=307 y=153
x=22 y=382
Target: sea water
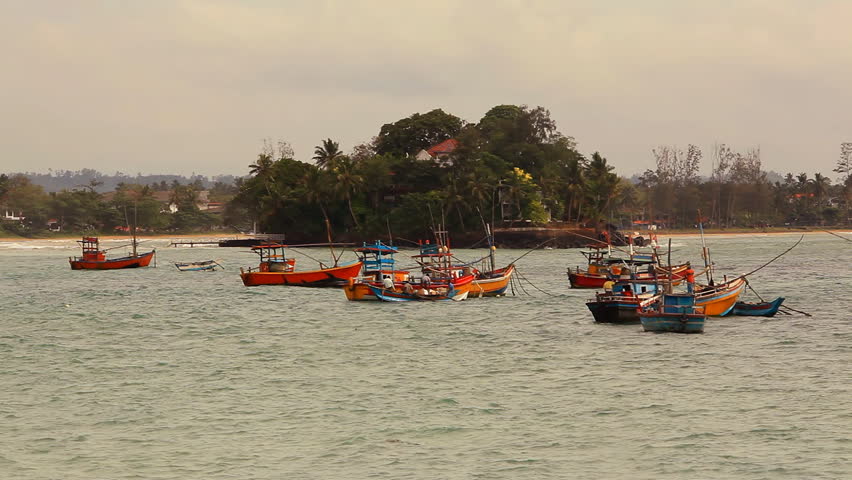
x=158 y=374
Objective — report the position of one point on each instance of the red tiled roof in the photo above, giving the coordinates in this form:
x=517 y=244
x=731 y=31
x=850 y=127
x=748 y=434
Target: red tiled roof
x=443 y=148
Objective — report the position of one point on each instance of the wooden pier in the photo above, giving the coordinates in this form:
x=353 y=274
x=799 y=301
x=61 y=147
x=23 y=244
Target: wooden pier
x=191 y=242
x=239 y=241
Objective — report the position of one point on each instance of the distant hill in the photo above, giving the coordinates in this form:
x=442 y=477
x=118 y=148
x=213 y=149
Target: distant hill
x=56 y=181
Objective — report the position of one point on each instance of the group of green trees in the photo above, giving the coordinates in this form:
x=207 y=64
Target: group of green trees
x=84 y=209
x=512 y=167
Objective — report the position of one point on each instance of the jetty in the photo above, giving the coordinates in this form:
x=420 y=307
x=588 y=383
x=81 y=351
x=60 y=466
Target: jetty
x=238 y=241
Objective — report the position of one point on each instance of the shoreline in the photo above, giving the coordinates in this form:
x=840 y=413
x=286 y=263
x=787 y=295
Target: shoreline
x=643 y=233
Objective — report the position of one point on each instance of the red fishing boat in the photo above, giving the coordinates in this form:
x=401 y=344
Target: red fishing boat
x=275 y=269
x=94 y=258
x=603 y=267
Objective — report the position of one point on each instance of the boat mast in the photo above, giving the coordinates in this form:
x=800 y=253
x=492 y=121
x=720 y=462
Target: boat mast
x=133 y=230
x=705 y=252
x=488 y=232
x=489 y=237
x=330 y=245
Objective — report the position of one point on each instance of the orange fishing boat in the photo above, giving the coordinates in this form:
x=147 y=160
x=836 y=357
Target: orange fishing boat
x=378 y=264
x=720 y=299
x=93 y=258
x=493 y=283
x=275 y=269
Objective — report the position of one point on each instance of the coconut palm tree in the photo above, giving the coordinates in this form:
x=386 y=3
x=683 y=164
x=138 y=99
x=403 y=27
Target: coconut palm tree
x=316 y=183
x=327 y=153
x=820 y=185
x=348 y=182
x=262 y=169
x=602 y=185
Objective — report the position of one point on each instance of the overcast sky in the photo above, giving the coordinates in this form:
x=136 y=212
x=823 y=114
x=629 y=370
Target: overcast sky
x=182 y=86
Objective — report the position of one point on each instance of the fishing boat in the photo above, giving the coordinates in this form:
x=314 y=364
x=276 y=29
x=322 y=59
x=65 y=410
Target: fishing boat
x=757 y=309
x=437 y=267
x=717 y=299
x=673 y=312
x=207 y=265
x=378 y=264
x=451 y=291
x=93 y=258
x=603 y=266
x=276 y=269
x=492 y=281
x=621 y=302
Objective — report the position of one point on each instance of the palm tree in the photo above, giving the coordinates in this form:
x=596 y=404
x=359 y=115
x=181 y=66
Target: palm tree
x=327 y=153
x=348 y=182
x=820 y=185
x=453 y=198
x=316 y=189
x=262 y=169
x=602 y=184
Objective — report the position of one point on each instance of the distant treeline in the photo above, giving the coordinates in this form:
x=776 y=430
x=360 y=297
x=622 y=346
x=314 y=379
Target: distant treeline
x=511 y=168
x=58 y=180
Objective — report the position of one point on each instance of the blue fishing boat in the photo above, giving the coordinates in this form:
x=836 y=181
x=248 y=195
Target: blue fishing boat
x=757 y=309
x=674 y=312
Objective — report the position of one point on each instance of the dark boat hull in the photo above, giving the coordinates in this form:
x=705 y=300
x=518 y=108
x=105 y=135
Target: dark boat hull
x=672 y=322
x=615 y=311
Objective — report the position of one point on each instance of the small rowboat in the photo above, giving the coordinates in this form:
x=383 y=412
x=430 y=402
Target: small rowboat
x=207 y=265
x=757 y=309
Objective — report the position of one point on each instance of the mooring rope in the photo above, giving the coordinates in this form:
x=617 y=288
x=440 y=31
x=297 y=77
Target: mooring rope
x=520 y=275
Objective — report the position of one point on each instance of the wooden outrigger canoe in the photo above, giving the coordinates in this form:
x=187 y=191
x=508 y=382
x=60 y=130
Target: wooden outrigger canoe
x=719 y=299
x=457 y=291
x=207 y=265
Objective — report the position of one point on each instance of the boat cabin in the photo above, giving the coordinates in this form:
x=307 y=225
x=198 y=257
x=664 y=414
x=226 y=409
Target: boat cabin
x=379 y=262
x=273 y=259
x=91 y=249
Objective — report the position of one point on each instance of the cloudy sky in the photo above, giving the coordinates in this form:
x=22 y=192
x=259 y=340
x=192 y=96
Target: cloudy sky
x=182 y=86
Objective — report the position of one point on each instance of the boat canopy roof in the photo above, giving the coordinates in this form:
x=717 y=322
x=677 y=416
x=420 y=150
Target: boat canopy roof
x=270 y=246
x=378 y=248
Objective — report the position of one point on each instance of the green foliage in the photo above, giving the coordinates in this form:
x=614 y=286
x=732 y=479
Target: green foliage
x=417 y=132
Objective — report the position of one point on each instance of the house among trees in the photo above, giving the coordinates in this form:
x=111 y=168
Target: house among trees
x=440 y=153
